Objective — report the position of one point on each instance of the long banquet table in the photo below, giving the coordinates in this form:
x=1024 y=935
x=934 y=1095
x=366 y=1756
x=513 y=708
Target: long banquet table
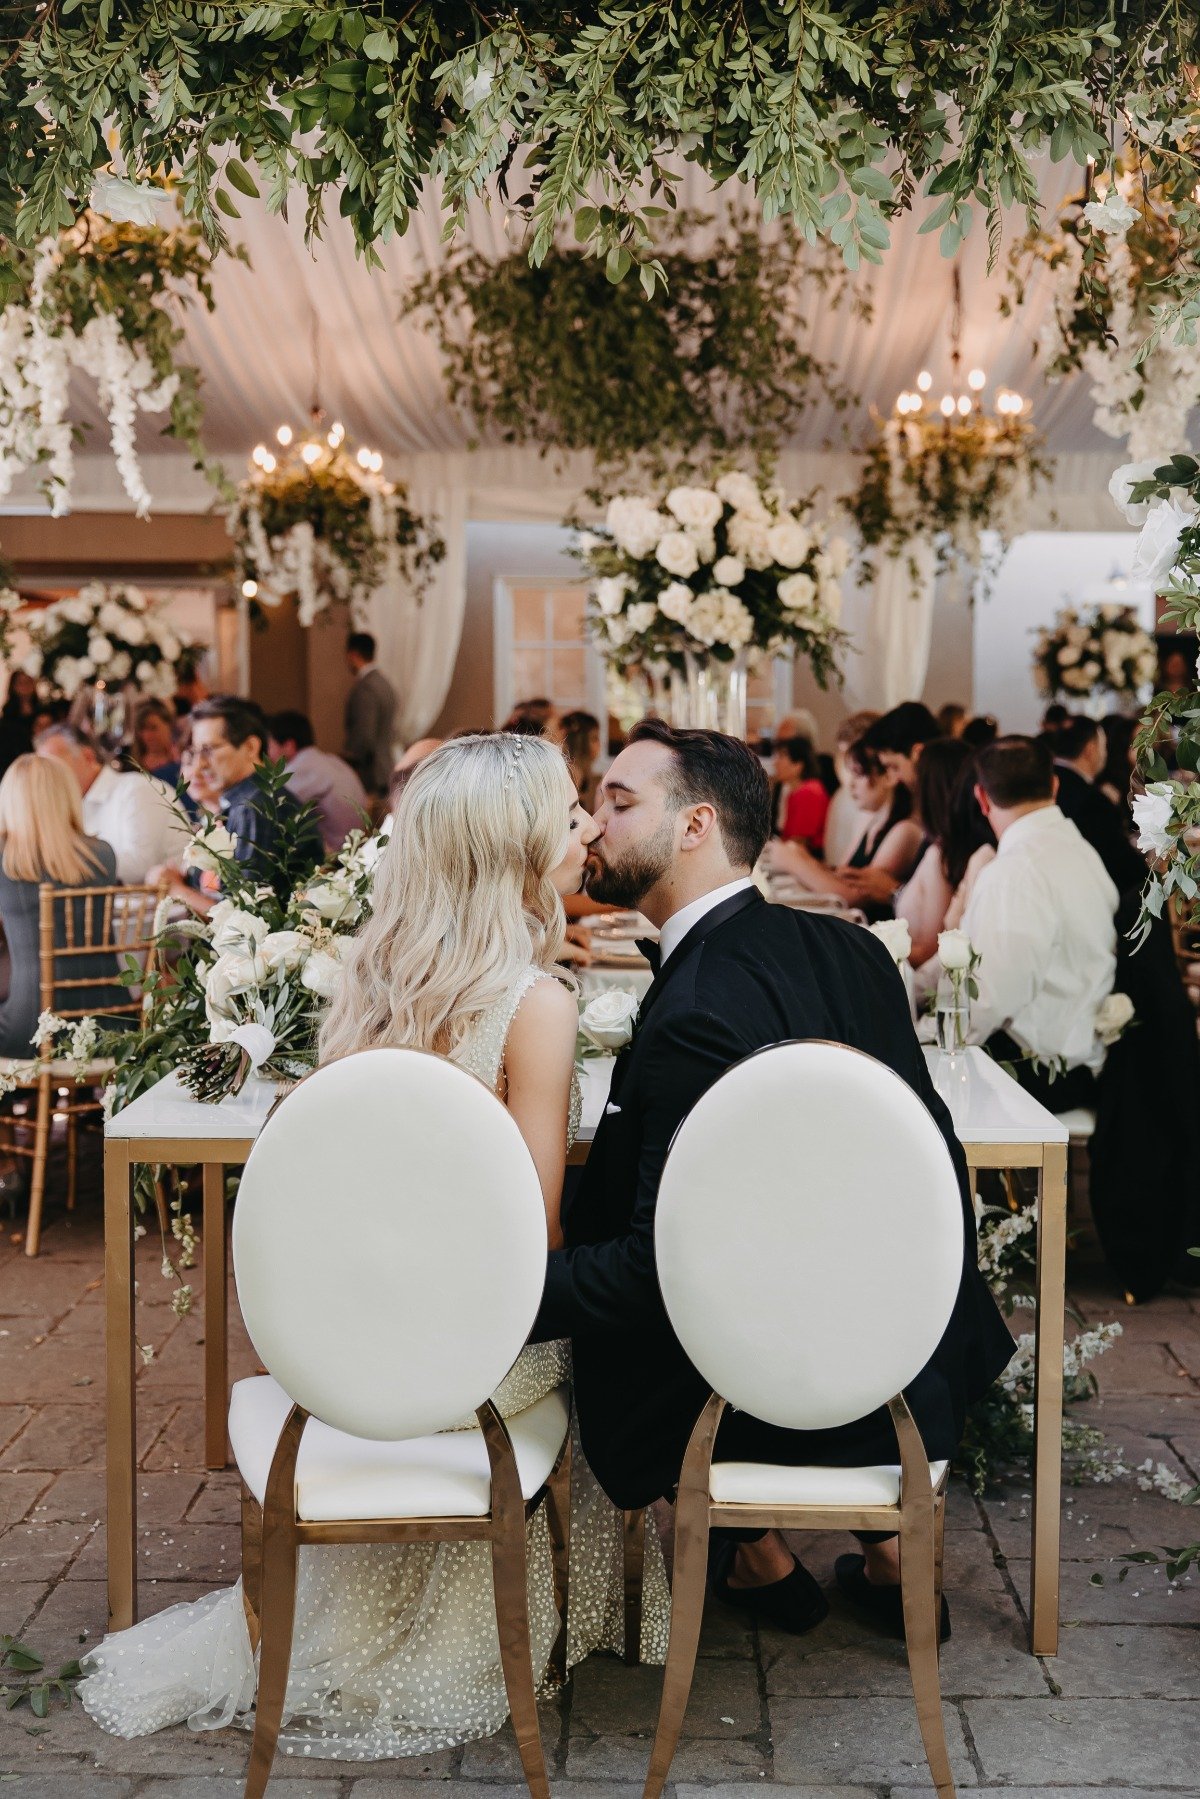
x=997 y=1123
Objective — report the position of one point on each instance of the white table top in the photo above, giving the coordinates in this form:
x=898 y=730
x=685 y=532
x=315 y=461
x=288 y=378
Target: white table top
x=985 y=1104
x=167 y=1111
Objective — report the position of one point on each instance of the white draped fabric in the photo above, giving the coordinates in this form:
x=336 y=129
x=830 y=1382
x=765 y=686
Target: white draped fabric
x=417 y=641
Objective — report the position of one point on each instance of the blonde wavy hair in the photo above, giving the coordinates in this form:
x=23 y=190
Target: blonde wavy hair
x=463 y=900
x=41 y=826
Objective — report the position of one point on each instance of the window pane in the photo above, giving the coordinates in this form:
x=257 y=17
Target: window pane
x=570 y=681
x=529 y=674
x=529 y=614
x=566 y=612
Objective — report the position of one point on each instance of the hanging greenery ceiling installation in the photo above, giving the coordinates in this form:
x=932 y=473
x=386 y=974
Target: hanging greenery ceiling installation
x=555 y=355
x=840 y=116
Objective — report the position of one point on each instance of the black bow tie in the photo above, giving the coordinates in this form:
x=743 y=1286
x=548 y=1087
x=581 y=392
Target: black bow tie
x=651 y=951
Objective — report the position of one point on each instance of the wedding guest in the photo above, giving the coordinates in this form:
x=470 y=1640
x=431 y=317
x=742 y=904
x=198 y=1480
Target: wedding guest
x=845 y=823
x=581 y=741
x=1054 y=718
x=925 y=898
x=18 y=718
x=370 y=715
x=981 y=730
x=154 y=747
x=133 y=812
x=190 y=690
x=969 y=845
x=1041 y=920
x=1115 y=777
x=535 y=718
x=42 y=839
x=1080 y=752
x=890 y=843
x=951 y=719
x=899 y=737
x=318 y=778
x=805 y=803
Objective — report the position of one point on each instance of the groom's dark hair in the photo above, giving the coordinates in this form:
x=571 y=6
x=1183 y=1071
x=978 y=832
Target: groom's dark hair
x=721 y=772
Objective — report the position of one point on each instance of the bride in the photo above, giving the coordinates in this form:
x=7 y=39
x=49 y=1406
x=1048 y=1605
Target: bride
x=395 y=1650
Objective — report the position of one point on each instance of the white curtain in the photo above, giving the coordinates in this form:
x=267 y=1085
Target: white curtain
x=417 y=643
x=900 y=626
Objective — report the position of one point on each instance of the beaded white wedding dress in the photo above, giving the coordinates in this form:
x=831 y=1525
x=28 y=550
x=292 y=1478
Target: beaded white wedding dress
x=395 y=1650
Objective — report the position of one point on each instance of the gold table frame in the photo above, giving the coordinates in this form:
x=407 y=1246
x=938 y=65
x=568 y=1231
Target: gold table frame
x=214 y=1154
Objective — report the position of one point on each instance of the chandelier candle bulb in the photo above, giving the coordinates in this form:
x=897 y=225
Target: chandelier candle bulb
x=947 y=406
x=964 y=404
x=284 y=435
x=924 y=381
x=976 y=380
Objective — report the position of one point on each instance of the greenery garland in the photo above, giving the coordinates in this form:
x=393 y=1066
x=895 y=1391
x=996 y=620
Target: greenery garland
x=839 y=116
x=558 y=356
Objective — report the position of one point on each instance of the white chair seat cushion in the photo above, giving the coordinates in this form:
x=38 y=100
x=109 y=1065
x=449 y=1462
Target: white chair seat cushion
x=343 y=1477
x=1080 y=1122
x=769 y=1483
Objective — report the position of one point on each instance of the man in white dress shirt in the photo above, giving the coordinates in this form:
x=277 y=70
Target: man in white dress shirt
x=132 y=812
x=1041 y=917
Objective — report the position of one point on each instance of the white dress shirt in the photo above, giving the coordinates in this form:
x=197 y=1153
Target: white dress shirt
x=1041 y=916
x=136 y=815
x=681 y=922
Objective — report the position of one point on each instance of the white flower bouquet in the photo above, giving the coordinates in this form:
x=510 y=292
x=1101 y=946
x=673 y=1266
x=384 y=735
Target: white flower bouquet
x=109 y=634
x=1101 y=651
x=713 y=572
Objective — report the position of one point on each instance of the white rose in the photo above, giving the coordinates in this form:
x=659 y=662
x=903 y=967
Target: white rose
x=144 y=672
x=76 y=611
x=609 y=1018
x=610 y=593
x=1068 y=655
x=99 y=649
x=234 y=929
x=737 y=623
x=209 y=848
x=170 y=645
x=120 y=665
x=635 y=524
x=1112 y=215
x=85 y=668
x=675 y=602
x=748 y=539
x=586 y=542
x=228 y=977
x=705 y=542
x=136 y=598
x=641 y=617
x=284 y=949
x=129 y=202
x=1113 y=1016
x=955 y=950
x=831 y=600
x=729 y=571
x=677 y=553
x=1152 y=815
x=740 y=491
x=797 y=592
x=333 y=899
x=895 y=937
x=698 y=506
x=112 y=618
x=789 y=542
x=32 y=664
x=133 y=628
x=1157 y=549
x=321 y=974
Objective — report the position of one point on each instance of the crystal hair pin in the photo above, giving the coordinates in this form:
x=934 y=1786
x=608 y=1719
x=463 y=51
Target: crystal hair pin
x=518 y=749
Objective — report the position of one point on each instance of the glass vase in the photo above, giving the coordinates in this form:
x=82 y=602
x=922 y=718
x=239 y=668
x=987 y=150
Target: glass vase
x=953 y=1014
x=708 y=694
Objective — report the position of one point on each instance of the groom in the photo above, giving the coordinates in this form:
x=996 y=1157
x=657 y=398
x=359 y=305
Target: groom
x=683 y=817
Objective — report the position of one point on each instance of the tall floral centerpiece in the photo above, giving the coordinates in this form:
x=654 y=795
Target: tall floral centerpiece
x=100 y=647
x=701 y=582
x=1098 y=658
x=315 y=521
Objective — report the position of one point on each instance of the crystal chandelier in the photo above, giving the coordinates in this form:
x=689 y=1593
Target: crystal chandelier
x=961 y=406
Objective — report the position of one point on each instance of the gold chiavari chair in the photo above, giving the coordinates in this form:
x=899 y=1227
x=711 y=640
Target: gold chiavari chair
x=73 y=923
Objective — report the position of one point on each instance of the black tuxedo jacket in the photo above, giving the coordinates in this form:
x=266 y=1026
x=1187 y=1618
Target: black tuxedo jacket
x=747 y=975
x=1099 y=823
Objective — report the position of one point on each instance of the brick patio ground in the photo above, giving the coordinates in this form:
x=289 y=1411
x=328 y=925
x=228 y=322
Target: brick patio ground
x=822 y=1717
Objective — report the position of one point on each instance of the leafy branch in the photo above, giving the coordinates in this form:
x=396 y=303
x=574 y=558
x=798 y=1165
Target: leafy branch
x=17 y=1659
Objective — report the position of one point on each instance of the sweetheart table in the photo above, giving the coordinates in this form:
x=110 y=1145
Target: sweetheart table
x=998 y=1124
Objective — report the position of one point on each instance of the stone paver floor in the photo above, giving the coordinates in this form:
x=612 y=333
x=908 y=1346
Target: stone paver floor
x=828 y=1716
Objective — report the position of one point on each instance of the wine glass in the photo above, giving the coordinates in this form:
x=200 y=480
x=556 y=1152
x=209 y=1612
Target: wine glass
x=110 y=717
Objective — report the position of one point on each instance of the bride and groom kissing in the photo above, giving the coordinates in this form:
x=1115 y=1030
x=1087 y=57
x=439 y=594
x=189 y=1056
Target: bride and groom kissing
x=395 y=1649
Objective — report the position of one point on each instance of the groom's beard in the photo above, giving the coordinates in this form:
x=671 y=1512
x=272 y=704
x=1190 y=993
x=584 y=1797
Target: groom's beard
x=627 y=881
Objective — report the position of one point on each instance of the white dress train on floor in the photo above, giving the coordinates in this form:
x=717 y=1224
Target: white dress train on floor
x=395 y=1650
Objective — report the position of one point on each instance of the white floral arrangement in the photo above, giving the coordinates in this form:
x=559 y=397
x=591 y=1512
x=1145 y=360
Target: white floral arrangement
x=713 y=572
x=606 y=1022
x=895 y=937
x=109 y=634
x=1102 y=650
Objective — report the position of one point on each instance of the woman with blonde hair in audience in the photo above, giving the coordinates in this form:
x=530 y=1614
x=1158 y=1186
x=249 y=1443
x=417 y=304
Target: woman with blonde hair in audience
x=42 y=841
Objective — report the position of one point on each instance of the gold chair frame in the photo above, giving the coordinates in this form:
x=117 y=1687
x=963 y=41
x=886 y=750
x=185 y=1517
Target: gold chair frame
x=127 y=930
x=272 y=1536
x=919 y=1518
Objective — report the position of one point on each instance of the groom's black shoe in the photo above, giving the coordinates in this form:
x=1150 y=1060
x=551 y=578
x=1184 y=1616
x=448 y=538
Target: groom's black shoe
x=795 y=1603
x=882 y=1605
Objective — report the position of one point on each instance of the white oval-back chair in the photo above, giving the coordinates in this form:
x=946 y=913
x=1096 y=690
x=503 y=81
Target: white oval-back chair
x=389 y=1248
x=809 y=1237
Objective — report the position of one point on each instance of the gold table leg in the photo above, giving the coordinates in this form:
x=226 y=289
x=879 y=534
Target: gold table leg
x=216 y=1328
x=1048 y=1399
x=121 y=1473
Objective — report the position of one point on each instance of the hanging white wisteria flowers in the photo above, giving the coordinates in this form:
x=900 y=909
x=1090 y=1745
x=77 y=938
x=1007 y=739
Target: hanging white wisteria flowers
x=1102 y=654
x=717 y=572
x=99 y=299
x=102 y=633
x=326 y=526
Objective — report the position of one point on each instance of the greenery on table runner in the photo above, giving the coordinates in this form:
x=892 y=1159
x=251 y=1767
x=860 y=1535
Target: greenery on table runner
x=101 y=296
x=555 y=355
x=840 y=116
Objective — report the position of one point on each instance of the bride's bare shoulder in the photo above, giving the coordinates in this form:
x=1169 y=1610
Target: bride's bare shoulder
x=546 y=1023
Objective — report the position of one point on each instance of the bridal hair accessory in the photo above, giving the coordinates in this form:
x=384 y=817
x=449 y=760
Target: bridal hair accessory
x=518 y=750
